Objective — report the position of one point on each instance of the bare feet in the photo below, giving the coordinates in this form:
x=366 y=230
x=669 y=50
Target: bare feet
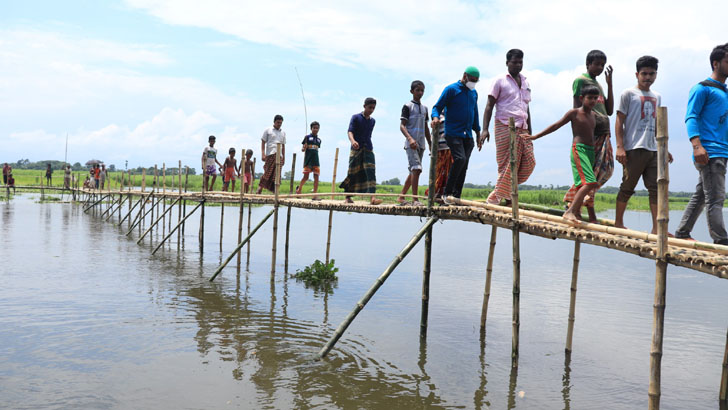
x=571 y=218
x=349 y=200
x=401 y=200
x=376 y=201
x=621 y=226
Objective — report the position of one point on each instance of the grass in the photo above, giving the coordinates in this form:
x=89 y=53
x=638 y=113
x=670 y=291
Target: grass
x=546 y=197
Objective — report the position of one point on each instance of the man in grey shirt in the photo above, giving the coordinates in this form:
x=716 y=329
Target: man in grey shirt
x=636 y=141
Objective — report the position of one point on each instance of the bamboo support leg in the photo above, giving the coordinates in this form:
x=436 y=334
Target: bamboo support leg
x=331 y=213
x=516 y=247
x=222 y=220
x=373 y=289
x=572 y=300
x=240 y=245
x=424 y=311
x=140 y=215
x=288 y=214
x=201 y=232
x=184 y=203
x=275 y=208
x=131 y=208
x=658 y=322
x=723 y=395
x=250 y=213
x=200 y=205
x=488 y=276
x=159 y=218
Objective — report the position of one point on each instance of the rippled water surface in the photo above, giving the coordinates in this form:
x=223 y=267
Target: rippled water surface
x=90 y=319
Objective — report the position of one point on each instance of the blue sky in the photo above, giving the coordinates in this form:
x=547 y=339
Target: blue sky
x=148 y=80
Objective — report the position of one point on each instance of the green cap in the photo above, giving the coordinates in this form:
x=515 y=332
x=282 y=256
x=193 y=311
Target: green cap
x=472 y=71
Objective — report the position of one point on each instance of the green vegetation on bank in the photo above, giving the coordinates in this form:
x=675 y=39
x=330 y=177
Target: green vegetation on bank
x=605 y=199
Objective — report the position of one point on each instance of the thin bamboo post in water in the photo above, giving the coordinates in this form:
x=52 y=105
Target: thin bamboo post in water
x=201 y=232
x=141 y=215
x=424 y=311
x=199 y=205
x=663 y=216
x=373 y=289
x=159 y=218
x=222 y=220
x=331 y=212
x=572 y=299
x=240 y=245
x=275 y=208
x=242 y=204
x=184 y=203
x=723 y=395
x=516 y=245
x=288 y=212
x=250 y=212
x=144 y=179
x=179 y=204
x=488 y=277
x=164 y=197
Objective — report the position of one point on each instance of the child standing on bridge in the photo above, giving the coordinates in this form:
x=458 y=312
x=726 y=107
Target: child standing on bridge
x=413 y=125
x=361 y=176
x=248 y=170
x=582 y=122
x=311 y=145
x=209 y=164
x=229 y=169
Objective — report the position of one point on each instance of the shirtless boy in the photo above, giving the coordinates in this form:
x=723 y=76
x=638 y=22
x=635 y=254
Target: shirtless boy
x=582 y=121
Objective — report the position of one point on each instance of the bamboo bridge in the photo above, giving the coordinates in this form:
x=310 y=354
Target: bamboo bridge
x=519 y=218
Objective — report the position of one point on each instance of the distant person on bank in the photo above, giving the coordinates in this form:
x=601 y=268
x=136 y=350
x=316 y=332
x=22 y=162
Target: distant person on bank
x=708 y=132
x=67 y=177
x=269 y=147
x=459 y=104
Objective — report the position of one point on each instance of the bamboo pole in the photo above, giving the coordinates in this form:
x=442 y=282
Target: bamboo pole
x=120 y=203
x=111 y=205
x=159 y=218
x=488 y=276
x=201 y=232
x=288 y=212
x=95 y=203
x=144 y=179
x=663 y=216
x=516 y=245
x=377 y=284
x=199 y=205
x=222 y=220
x=242 y=204
x=179 y=204
x=331 y=212
x=723 y=394
x=275 y=207
x=130 y=209
x=424 y=311
x=164 y=197
x=572 y=299
x=250 y=212
x=184 y=203
x=241 y=244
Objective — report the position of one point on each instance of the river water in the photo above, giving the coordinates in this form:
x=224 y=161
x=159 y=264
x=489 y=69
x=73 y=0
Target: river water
x=90 y=319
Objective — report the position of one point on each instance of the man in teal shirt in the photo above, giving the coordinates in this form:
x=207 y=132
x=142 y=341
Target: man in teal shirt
x=707 y=124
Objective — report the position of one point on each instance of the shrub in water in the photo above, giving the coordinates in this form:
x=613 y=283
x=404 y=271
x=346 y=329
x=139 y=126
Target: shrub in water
x=318 y=275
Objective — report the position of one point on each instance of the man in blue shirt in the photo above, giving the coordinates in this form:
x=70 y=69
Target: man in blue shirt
x=460 y=101
x=707 y=124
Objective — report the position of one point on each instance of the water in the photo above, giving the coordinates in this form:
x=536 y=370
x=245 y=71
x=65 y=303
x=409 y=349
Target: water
x=91 y=320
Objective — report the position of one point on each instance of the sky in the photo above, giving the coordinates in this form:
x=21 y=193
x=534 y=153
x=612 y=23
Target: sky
x=147 y=81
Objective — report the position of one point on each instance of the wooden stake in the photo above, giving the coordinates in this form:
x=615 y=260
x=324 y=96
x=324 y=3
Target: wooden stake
x=373 y=289
x=288 y=212
x=572 y=300
x=250 y=212
x=663 y=216
x=201 y=232
x=488 y=276
x=143 y=214
x=275 y=207
x=199 y=205
x=242 y=204
x=424 y=312
x=331 y=212
x=240 y=245
x=144 y=179
x=516 y=245
x=222 y=219
x=184 y=203
x=164 y=197
x=179 y=204
x=723 y=395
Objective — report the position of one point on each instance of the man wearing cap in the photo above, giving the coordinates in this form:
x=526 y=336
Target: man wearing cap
x=459 y=101
x=510 y=94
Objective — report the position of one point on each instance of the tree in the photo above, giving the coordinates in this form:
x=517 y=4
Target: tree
x=112 y=168
x=393 y=181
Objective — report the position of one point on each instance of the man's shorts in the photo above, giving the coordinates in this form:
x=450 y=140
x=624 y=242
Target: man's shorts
x=210 y=170
x=307 y=170
x=414 y=158
x=640 y=163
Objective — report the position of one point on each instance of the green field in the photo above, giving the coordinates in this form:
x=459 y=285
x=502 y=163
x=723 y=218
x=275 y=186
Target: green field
x=546 y=197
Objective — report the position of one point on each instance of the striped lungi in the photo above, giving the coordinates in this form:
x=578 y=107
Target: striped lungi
x=524 y=158
x=268 y=180
x=603 y=169
x=361 y=176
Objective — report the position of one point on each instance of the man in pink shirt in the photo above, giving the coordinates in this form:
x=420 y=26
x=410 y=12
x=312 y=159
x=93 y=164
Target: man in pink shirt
x=510 y=94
